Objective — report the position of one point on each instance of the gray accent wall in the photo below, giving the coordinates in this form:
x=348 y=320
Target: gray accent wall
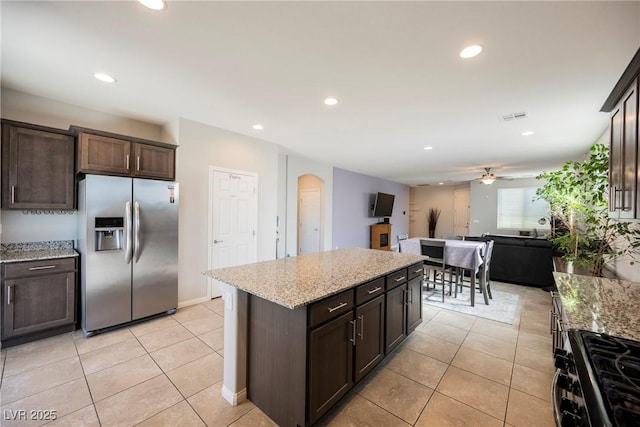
x=353 y=194
x=483 y=215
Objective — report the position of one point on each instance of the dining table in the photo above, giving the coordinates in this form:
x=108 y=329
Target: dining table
x=464 y=254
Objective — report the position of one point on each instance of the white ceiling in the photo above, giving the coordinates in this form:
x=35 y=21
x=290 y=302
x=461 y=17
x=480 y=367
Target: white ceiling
x=394 y=67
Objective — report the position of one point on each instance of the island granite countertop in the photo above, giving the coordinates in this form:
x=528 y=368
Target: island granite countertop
x=35 y=251
x=301 y=280
x=597 y=304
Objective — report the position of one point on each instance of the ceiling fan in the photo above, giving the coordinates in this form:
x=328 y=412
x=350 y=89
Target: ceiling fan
x=488 y=178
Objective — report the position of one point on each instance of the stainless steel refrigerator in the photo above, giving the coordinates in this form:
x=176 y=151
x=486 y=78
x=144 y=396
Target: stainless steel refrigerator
x=128 y=244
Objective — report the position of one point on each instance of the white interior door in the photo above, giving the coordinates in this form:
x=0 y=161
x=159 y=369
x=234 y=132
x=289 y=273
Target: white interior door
x=310 y=213
x=232 y=219
x=461 y=212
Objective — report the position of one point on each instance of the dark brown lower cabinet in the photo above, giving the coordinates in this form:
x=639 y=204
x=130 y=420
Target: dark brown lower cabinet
x=414 y=304
x=301 y=362
x=396 y=319
x=369 y=346
x=330 y=364
x=38 y=296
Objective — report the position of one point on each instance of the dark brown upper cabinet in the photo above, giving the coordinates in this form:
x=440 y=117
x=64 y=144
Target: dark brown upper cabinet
x=37 y=167
x=624 y=152
x=110 y=154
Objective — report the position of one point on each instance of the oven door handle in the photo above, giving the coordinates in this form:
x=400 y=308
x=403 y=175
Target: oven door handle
x=555 y=398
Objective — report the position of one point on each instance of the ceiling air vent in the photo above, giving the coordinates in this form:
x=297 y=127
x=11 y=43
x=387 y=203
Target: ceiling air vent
x=513 y=116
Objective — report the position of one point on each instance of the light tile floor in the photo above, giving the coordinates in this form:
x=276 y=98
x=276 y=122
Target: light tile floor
x=455 y=370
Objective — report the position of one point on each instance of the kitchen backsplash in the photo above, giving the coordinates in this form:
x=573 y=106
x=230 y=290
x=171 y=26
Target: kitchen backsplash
x=37 y=246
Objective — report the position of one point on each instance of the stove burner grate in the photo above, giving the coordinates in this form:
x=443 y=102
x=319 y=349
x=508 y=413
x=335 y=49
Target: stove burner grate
x=616 y=365
x=629 y=368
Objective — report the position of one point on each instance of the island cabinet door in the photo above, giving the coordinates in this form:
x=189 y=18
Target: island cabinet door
x=330 y=364
x=414 y=304
x=369 y=336
x=396 y=327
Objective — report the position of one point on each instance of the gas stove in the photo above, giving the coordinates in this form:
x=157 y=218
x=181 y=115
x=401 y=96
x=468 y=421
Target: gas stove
x=598 y=381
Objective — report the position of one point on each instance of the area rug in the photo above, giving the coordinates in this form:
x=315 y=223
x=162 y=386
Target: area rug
x=503 y=307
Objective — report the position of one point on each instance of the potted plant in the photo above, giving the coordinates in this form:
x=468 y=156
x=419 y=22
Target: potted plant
x=577 y=195
x=432 y=221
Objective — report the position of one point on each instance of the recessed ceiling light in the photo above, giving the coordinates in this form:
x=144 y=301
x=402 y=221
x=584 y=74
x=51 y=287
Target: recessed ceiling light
x=471 y=51
x=258 y=127
x=154 y=4
x=428 y=148
x=330 y=101
x=441 y=183
x=104 y=77
x=527 y=133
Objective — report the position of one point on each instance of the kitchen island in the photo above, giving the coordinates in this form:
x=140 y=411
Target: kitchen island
x=301 y=331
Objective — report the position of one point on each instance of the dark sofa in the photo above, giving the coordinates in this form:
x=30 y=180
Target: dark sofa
x=521 y=260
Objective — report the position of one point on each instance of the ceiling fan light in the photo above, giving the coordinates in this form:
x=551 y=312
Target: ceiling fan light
x=154 y=4
x=470 y=51
x=488 y=179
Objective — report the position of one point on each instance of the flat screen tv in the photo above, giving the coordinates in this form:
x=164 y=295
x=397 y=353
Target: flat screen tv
x=383 y=205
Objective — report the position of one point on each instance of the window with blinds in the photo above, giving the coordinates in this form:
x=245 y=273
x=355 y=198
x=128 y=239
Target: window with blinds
x=517 y=210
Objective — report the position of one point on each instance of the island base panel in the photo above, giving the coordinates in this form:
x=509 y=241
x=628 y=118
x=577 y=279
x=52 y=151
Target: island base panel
x=277 y=361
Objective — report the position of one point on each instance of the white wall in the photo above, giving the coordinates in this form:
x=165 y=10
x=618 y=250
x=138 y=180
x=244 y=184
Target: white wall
x=202 y=146
x=19 y=106
x=297 y=166
x=424 y=198
x=484 y=204
x=47 y=112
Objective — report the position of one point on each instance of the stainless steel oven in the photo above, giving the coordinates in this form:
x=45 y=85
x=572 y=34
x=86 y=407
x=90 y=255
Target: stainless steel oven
x=597 y=382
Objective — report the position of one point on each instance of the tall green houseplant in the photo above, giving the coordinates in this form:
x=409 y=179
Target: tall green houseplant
x=577 y=195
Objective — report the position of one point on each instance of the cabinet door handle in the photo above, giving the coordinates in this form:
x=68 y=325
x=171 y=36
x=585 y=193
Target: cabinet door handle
x=138 y=163
x=361 y=317
x=410 y=294
x=337 y=307
x=13 y=194
x=400 y=279
x=373 y=291
x=616 y=207
x=9 y=294
x=353 y=332
x=44 y=267
x=127 y=161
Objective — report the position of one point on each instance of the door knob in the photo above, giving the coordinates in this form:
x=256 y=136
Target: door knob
x=218 y=241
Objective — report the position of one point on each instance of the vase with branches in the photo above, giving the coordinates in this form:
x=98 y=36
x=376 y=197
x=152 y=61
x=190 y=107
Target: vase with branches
x=577 y=196
x=432 y=221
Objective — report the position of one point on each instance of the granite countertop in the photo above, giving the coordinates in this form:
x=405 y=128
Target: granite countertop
x=34 y=251
x=610 y=306
x=297 y=281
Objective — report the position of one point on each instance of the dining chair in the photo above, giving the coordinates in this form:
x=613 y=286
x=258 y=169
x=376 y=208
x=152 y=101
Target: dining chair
x=482 y=275
x=435 y=251
x=401 y=237
x=486 y=267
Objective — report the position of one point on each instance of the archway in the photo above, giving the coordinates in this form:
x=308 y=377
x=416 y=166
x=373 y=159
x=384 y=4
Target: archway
x=310 y=214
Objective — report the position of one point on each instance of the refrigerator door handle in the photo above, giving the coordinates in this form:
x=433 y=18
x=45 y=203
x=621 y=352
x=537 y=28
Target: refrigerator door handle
x=136 y=226
x=127 y=233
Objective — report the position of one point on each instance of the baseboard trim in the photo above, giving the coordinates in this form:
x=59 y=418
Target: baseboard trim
x=187 y=303
x=234 y=398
